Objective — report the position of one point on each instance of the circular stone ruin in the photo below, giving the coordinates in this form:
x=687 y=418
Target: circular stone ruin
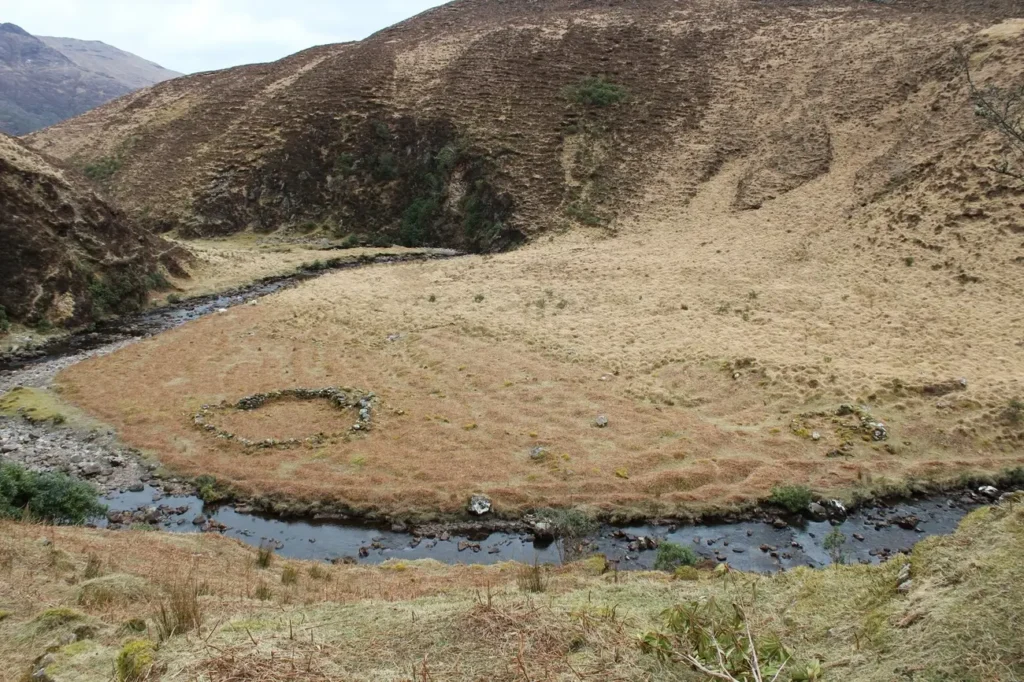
x=337 y=398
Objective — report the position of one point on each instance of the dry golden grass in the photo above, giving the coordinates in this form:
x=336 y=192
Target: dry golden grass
x=700 y=331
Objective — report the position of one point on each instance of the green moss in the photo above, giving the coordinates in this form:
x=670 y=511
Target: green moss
x=135 y=660
x=596 y=91
x=38 y=405
x=4 y=615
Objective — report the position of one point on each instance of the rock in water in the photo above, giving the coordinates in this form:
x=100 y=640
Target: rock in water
x=479 y=505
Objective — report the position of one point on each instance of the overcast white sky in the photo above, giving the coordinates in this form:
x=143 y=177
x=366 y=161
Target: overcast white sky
x=199 y=35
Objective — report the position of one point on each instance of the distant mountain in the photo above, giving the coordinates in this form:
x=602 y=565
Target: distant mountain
x=47 y=80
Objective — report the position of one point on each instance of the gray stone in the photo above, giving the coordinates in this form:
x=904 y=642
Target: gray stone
x=601 y=421
x=904 y=588
x=817 y=511
x=543 y=531
x=136 y=488
x=199 y=520
x=479 y=505
x=538 y=453
x=989 y=491
x=90 y=469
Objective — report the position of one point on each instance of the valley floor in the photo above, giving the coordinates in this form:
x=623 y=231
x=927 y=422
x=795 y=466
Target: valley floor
x=720 y=345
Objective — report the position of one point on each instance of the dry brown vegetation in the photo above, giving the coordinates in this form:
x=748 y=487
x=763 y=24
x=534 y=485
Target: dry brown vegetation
x=958 y=619
x=836 y=240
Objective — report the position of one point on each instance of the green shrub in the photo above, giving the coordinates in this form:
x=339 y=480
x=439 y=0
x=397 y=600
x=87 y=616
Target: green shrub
x=209 y=490
x=417 y=221
x=596 y=91
x=174 y=299
x=49 y=496
x=1014 y=412
x=135 y=661
x=103 y=169
x=672 y=555
x=833 y=544
x=349 y=242
x=121 y=293
x=795 y=498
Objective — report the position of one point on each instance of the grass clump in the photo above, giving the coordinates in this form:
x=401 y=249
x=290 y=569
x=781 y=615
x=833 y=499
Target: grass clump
x=180 y=610
x=531 y=578
x=49 y=496
x=135 y=661
x=264 y=556
x=1014 y=412
x=289 y=575
x=58 y=617
x=263 y=591
x=596 y=91
x=672 y=556
x=118 y=589
x=318 y=572
x=794 y=498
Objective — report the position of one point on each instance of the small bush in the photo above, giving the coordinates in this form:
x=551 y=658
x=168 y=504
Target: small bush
x=833 y=544
x=596 y=91
x=289 y=576
x=210 y=491
x=531 y=578
x=135 y=661
x=5 y=324
x=263 y=592
x=103 y=169
x=174 y=299
x=264 y=556
x=672 y=555
x=794 y=498
x=52 y=497
x=349 y=242
x=479 y=298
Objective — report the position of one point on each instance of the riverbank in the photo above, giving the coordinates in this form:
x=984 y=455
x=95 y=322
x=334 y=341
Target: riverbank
x=73 y=599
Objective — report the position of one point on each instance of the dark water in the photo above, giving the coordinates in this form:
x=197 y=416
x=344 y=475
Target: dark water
x=738 y=544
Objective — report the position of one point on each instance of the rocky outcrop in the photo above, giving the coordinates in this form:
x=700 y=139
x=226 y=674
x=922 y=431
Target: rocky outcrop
x=68 y=258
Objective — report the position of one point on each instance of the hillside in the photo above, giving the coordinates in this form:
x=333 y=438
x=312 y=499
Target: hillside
x=47 y=80
x=479 y=124
x=68 y=257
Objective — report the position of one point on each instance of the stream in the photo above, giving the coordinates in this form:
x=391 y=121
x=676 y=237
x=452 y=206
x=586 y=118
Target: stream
x=766 y=544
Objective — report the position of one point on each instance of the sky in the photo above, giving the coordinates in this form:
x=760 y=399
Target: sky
x=201 y=35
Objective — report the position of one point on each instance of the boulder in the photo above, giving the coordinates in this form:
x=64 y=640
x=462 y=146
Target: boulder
x=479 y=505
x=989 y=491
x=817 y=512
x=601 y=421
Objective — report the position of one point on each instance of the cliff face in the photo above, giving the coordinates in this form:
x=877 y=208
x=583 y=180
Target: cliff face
x=67 y=256
x=47 y=80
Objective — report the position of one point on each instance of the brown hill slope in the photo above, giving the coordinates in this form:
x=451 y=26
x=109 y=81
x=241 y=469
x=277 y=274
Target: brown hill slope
x=46 y=80
x=467 y=125
x=67 y=256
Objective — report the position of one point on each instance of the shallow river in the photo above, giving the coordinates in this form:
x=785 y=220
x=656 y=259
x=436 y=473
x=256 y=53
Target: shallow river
x=872 y=534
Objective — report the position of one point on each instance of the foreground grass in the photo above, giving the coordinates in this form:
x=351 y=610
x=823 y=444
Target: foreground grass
x=425 y=621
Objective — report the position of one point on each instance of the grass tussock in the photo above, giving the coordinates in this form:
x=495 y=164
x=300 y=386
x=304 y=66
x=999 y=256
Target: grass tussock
x=180 y=610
